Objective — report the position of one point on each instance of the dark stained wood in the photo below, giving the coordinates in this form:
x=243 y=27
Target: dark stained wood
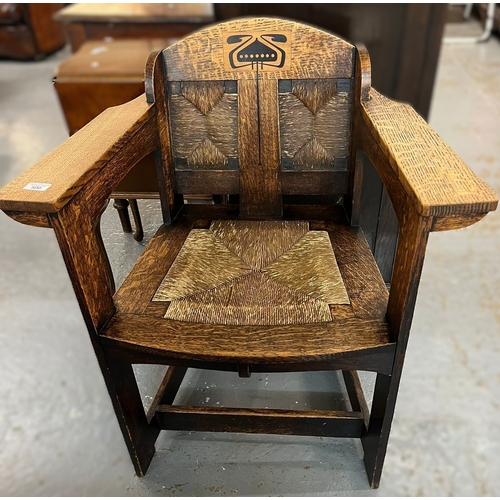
x=139 y=232
x=249 y=148
x=414 y=232
x=74 y=227
x=140 y=437
x=244 y=371
x=293 y=182
x=356 y=395
x=261 y=421
x=392 y=31
x=121 y=205
x=379 y=360
x=245 y=344
x=168 y=389
x=387 y=236
x=101 y=249
x=48 y=34
x=164 y=159
x=29 y=32
x=267 y=175
x=404 y=43
x=318 y=183
x=207 y=181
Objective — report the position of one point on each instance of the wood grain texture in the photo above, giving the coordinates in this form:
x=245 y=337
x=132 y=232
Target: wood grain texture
x=155 y=83
x=165 y=395
x=249 y=148
x=292 y=182
x=379 y=360
x=314 y=182
x=245 y=344
x=455 y=222
x=207 y=181
x=70 y=166
x=364 y=284
x=75 y=228
x=435 y=178
x=356 y=395
x=116 y=61
x=139 y=287
x=139 y=436
x=200 y=56
x=259 y=420
x=268 y=186
x=30 y=219
x=364 y=72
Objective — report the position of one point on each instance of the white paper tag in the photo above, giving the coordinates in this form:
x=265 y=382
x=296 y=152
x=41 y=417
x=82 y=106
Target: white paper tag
x=37 y=186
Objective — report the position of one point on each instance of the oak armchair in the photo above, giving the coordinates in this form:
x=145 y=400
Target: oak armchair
x=272 y=113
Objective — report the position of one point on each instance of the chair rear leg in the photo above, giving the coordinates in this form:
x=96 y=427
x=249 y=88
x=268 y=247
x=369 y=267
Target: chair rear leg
x=139 y=436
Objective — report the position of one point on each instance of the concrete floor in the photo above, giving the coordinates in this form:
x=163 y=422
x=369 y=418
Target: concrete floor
x=59 y=435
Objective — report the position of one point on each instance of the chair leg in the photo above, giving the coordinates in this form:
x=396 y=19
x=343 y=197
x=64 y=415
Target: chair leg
x=139 y=232
x=139 y=436
x=375 y=440
x=121 y=206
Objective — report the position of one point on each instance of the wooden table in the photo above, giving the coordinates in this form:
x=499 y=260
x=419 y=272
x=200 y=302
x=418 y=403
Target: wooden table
x=96 y=21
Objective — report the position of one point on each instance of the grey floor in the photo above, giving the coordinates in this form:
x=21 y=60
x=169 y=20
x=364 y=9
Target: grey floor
x=58 y=433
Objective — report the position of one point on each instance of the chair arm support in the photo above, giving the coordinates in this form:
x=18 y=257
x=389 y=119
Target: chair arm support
x=436 y=181
x=71 y=165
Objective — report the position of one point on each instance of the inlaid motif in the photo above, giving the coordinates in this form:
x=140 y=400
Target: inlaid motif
x=257 y=51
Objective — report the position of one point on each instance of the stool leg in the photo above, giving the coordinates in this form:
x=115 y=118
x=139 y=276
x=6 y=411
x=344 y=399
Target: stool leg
x=139 y=436
x=139 y=233
x=122 y=206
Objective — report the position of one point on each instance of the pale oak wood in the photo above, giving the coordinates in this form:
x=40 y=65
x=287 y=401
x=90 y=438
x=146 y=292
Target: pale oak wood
x=435 y=178
x=70 y=166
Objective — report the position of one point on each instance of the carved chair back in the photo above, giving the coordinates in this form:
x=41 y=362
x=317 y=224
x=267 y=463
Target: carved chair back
x=256 y=109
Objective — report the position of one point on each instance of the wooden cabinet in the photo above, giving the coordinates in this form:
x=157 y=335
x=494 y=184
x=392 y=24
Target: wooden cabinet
x=27 y=31
x=84 y=22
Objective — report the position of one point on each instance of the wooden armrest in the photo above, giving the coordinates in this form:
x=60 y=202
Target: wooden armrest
x=437 y=181
x=51 y=183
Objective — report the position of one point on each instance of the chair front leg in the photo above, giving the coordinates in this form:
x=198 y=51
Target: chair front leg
x=139 y=435
x=414 y=233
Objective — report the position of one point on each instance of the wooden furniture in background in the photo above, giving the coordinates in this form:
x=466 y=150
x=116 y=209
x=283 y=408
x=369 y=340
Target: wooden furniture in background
x=27 y=31
x=404 y=41
x=122 y=20
x=273 y=112
x=102 y=74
